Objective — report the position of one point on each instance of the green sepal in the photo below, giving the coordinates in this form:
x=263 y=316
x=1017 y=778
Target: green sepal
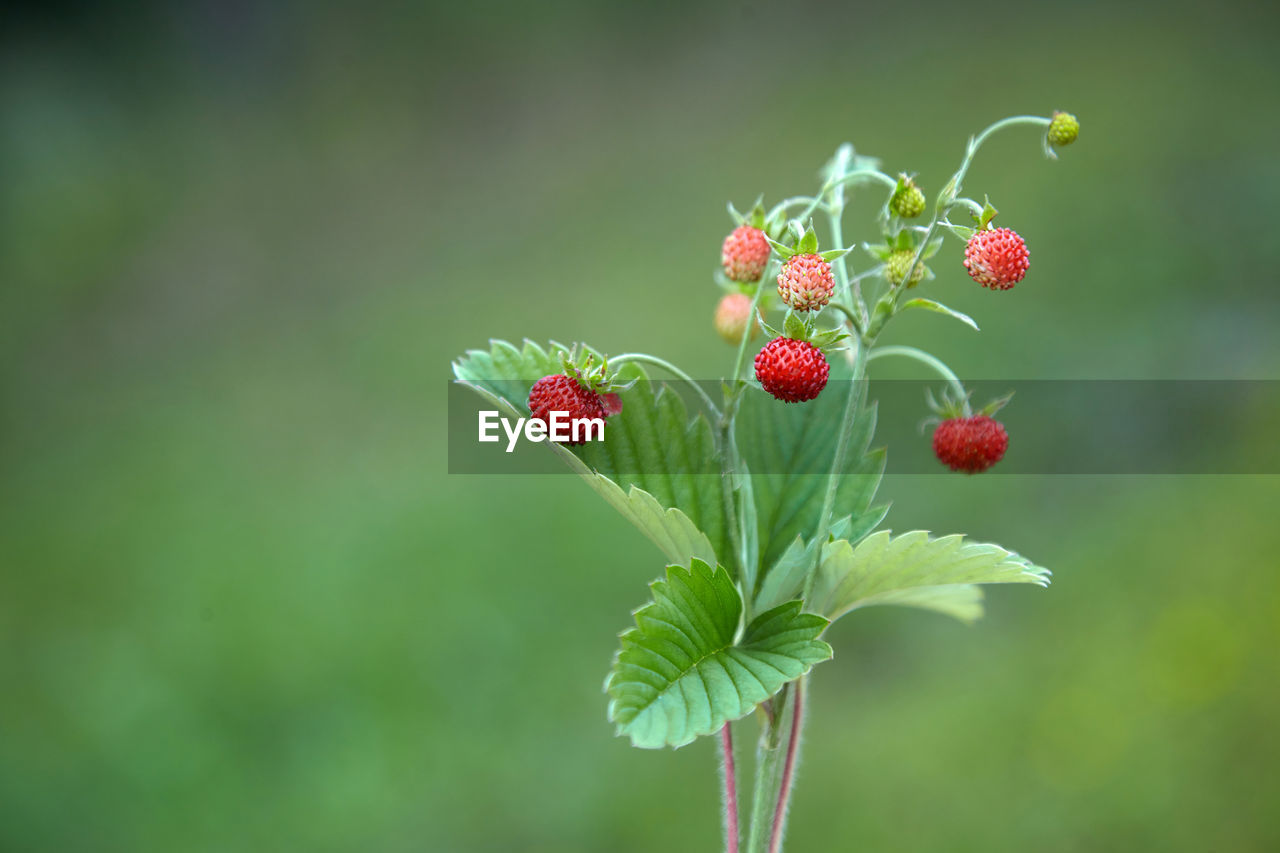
x=808 y=244
x=951 y=405
x=826 y=341
x=833 y=254
x=591 y=369
x=997 y=404
x=797 y=327
x=768 y=329
x=988 y=213
x=783 y=250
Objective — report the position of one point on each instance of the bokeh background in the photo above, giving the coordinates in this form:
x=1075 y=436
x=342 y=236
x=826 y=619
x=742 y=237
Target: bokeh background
x=243 y=606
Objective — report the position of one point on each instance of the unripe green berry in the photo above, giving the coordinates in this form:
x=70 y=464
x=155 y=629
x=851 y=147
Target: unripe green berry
x=907 y=201
x=1063 y=129
x=895 y=268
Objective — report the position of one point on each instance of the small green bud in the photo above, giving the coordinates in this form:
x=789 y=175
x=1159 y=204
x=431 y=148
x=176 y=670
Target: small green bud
x=907 y=201
x=1063 y=129
x=897 y=264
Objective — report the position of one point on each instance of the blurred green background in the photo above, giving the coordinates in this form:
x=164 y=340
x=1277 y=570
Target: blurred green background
x=243 y=607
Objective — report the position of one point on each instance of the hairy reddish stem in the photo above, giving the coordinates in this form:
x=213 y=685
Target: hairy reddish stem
x=788 y=770
x=730 y=792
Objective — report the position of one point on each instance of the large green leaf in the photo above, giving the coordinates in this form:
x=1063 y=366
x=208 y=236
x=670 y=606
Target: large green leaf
x=501 y=370
x=653 y=444
x=788 y=449
x=785 y=579
x=916 y=570
x=657 y=465
x=679 y=673
x=676 y=536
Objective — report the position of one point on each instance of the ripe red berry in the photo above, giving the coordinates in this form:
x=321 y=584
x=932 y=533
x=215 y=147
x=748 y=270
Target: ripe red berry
x=560 y=393
x=997 y=258
x=805 y=282
x=971 y=444
x=612 y=404
x=793 y=371
x=744 y=254
x=732 y=315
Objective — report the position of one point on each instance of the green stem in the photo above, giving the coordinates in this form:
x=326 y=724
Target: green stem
x=788 y=769
x=857 y=390
x=949 y=197
x=856 y=174
x=729 y=469
x=740 y=360
x=771 y=770
x=976 y=143
x=931 y=361
x=775 y=762
x=792 y=202
x=645 y=358
x=732 y=469
x=853 y=318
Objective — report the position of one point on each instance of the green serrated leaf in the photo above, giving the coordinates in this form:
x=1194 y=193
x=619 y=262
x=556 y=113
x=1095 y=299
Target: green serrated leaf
x=496 y=369
x=959 y=601
x=680 y=675
x=669 y=528
x=652 y=445
x=789 y=450
x=939 y=308
x=785 y=579
x=883 y=569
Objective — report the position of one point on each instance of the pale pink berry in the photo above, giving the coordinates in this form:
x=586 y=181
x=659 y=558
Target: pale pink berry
x=997 y=258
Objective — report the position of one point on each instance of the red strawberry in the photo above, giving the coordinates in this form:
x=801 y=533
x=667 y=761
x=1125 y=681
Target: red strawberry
x=805 y=282
x=793 y=371
x=996 y=258
x=560 y=393
x=612 y=404
x=732 y=315
x=744 y=254
x=971 y=444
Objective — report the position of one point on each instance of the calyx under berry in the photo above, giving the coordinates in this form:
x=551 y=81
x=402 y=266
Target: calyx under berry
x=803 y=328
x=806 y=244
x=591 y=370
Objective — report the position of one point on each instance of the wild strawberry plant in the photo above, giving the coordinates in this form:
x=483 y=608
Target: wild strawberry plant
x=763 y=502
